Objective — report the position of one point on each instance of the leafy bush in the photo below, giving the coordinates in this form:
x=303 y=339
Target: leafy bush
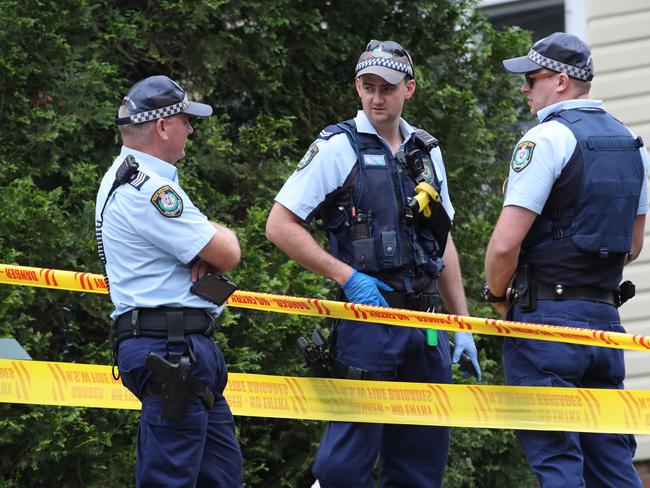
x=276 y=74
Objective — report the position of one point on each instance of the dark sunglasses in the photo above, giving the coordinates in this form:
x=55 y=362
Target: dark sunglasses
x=531 y=77
x=390 y=47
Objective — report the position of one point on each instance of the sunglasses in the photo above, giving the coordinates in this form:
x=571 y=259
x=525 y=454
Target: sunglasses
x=530 y=78
x=390 y=47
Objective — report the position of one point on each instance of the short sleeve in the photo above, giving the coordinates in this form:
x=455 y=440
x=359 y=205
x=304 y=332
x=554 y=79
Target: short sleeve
x=323 y=169
x=537 y=161
x=643 y=198
x=436 y=158
x=166 y=217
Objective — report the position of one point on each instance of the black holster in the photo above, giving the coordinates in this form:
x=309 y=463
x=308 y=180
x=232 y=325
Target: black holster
x=626 y=290
x=525 y=289
x=174 y=383
x=172 y=378
x=322 y=365
x=161 y=322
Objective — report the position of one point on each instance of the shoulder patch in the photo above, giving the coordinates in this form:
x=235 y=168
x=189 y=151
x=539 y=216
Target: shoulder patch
x=429 y=172
x=522 y=156
x=167 y=202
x=329 y=131
x=138 y=179
x=309 y=155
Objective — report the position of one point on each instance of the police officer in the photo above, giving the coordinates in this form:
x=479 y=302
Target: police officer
x=156 y=243
x=359 y=177
x=573 y=216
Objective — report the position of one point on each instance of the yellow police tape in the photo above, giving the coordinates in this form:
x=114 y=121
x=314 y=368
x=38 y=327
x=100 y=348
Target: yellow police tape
x=95 y=283
x=502 y=407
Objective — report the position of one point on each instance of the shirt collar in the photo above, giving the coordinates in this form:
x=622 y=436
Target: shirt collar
x=365 y=126
x=151 y=163
x=568 y=104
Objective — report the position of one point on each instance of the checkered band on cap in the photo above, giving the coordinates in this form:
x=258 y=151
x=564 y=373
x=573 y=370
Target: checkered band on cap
x=160 y=112
x=388 y=63
x=572 y=71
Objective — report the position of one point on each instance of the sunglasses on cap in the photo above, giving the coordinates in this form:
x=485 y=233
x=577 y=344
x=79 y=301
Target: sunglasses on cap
x=389 y=47
x=537 y=75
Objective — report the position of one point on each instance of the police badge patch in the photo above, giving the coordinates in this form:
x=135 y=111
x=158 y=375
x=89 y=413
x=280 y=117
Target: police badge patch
x=428 y=173
x=522 y=156
x=309 y=155
x=167 y=202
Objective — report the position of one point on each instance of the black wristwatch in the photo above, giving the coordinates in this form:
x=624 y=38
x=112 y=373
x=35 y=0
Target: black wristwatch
x=491 y=297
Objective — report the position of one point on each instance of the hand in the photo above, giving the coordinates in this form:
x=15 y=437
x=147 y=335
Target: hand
x=501 y=308
x=199 y=268
x=364 y=289
x=465 y=343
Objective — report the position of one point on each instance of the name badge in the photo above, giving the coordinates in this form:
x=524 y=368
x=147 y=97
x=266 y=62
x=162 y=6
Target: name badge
x=374 y=160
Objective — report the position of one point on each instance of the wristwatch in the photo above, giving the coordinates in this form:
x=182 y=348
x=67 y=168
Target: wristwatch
x=491 y=297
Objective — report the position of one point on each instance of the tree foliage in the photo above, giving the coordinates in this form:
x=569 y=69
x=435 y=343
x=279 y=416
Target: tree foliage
x=276 y=73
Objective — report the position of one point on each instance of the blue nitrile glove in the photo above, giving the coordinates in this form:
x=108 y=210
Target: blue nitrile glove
x=364 y=289
x=465 y=343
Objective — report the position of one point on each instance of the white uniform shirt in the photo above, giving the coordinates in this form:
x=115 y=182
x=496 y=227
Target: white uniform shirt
x=147 y=252
x=331 y=162
x=533 y=172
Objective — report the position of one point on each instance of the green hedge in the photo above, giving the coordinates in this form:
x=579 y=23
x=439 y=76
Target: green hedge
x=276 y=73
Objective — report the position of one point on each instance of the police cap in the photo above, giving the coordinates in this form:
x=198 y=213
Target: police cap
x=158 y=96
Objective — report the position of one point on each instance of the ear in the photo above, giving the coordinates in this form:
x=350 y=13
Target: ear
x=564 y=83
x=410 y=88
x=357 y=85
x=161 y=128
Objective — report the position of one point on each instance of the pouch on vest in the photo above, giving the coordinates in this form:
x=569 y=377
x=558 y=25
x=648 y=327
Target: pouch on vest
x=609 y=195
x=610 y=185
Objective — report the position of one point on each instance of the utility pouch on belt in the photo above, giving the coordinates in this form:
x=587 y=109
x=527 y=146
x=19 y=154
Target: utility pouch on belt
x=526 y=292
x=175 y=385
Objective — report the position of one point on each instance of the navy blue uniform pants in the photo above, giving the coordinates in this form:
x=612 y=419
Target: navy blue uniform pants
x=410 y=456
x=201 y=449
x=572 y=459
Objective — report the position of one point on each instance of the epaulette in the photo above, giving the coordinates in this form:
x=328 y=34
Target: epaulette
x=330 y=131
x=138 y=179
x=424 y=140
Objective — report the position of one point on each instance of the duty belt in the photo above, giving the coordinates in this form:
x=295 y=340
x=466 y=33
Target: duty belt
x=412 y=301
x=545 y=291
x=161 y=322
x=421 y=302
x=172 y=380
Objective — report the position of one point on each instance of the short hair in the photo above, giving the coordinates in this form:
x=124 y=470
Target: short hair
x=134 y=131
x=580 y=87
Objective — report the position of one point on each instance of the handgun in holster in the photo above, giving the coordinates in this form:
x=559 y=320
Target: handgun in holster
x=525 y=289
x=323 y=365
x=175 y=385
x=626 y=290
x=316 y=357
